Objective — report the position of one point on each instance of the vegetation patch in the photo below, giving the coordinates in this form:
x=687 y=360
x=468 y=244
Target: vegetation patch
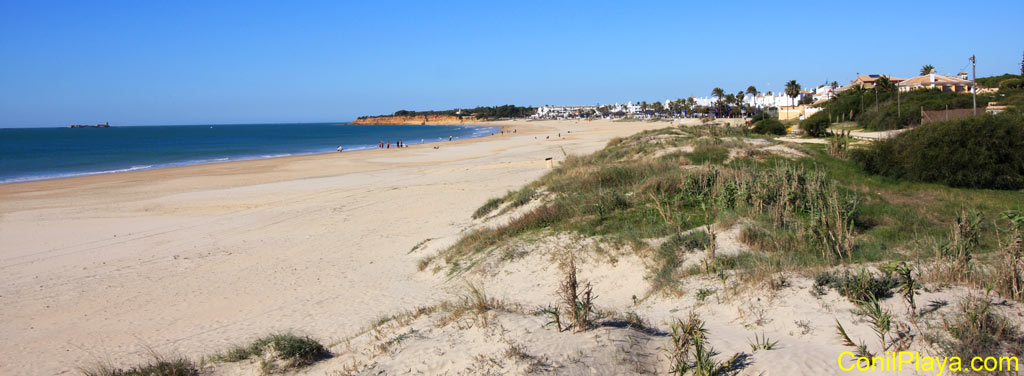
x=669 y=256
x=769 y=126
x=885 y=109
x=159 y=367
x=296 y=351
x=978 y=152
x=812 y=212
x=708 y=154
x=976 y=329
x=857 y=287
x=487 y=208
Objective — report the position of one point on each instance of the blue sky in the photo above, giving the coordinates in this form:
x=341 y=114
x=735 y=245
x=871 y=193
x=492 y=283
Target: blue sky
x=159 y=62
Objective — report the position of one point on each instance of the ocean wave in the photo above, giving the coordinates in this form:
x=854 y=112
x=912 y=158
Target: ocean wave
x=72 y=174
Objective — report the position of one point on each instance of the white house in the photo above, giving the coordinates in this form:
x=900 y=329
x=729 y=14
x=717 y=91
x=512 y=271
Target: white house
x=552 y=112
x=775 y=100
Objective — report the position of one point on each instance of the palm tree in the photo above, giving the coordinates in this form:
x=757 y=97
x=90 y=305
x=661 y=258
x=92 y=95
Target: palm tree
x=718 y=93
x=927 y=69
x=658 y=107
x=753 y=94
x=885 y=84
x=792 y=90
x=752 y=91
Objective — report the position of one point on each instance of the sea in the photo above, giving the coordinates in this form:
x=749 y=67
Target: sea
x=28 y=154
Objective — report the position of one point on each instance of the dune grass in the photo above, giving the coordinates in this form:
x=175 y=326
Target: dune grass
x=805 y=215
x=978 y=329
x=160 y=366
x=299 y=350
x=487 y=208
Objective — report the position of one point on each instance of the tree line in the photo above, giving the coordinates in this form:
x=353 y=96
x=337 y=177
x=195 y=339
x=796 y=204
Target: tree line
x=482 y=112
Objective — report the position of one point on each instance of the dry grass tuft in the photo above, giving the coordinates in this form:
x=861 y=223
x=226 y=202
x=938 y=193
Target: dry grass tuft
x=577 y=299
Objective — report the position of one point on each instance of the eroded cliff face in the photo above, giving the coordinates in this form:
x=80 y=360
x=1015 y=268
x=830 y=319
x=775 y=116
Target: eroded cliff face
x=418 y=120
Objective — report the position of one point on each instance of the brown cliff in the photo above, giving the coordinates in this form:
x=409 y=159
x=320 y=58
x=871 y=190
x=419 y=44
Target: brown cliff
x=418 y=120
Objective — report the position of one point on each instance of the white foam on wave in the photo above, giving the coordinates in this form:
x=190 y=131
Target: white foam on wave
x=72 y=174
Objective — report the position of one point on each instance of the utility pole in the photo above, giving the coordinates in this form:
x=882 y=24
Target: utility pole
x=899 y=107
x=876 y=97
x=974 y=85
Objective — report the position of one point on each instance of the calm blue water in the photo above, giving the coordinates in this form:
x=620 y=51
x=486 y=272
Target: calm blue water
x=48 y=153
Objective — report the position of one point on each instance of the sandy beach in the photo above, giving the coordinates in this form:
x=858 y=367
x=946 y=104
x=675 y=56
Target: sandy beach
x=190 y=260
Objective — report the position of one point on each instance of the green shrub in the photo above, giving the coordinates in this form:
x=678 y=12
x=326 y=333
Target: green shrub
x=769 y=126
x=760 y=116
x=708 y=154
x=301 y=350
x=1013 y=83
x=816 y=125
x=859 y=287
x=886 y=110
x=979 y=152
x=994 y=81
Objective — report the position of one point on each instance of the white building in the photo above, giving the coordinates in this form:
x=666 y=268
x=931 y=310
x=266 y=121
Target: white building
x=629 y=108
x=774 y=100
x=556 y=112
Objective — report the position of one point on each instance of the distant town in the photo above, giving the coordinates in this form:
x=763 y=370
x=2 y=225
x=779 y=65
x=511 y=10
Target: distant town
x=794 y=103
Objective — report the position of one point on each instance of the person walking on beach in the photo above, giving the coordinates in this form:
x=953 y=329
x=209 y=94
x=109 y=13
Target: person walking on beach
x=449 y=138
x=389 y=145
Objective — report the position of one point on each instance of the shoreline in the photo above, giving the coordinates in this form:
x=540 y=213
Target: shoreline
x=131 y=169
x=194 y=259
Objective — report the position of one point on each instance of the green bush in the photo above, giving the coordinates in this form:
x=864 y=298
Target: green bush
x=816 y=125
x=760 y=116
x=769 y=126
x=859 y=287
x=879 y=111
x=1013 y=83
x=301 y=350
x=978 y=152
x=994 y=81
